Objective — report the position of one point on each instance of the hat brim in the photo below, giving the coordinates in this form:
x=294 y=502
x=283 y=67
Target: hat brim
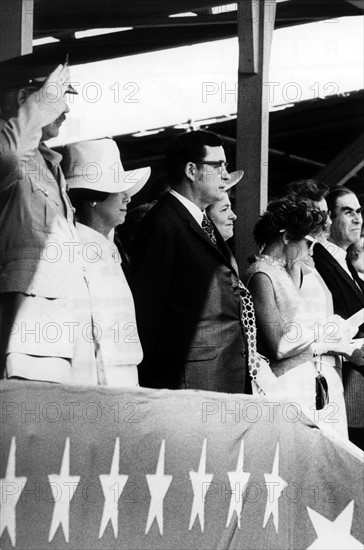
x=131 y=181
x=235 y=177
x=141 y=175
x=39 y=82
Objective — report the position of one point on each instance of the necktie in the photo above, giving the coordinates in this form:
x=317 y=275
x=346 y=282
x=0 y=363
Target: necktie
x=354 y=274
x=208 y=228
x=248 y=319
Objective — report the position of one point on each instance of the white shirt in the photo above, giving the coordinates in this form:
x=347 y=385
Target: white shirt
x=191 y=206
x=340 y=256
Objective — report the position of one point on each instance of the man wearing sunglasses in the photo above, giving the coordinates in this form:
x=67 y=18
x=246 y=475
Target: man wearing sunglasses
x=186 y=281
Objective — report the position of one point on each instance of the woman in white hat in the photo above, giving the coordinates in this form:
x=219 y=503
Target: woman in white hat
x=100 y=190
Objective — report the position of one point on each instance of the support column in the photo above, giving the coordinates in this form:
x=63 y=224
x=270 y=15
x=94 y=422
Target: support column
x=255 y=30
x=16 y=28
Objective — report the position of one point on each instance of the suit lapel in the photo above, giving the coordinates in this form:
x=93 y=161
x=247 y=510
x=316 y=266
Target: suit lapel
x=223 y=251
x=321 y=251
x=355 y=275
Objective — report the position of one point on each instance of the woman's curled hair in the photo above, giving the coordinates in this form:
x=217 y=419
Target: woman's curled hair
x=297 y=218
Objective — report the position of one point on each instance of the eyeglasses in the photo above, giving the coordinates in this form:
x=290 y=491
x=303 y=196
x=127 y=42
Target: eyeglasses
x=219 y=164
x=312 y=241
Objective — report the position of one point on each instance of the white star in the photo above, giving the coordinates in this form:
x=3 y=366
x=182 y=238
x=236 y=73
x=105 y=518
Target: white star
x=200 y=485
x=334 y=535
x=238 y=481
x=275 y=485
x=63 y=488
x=11 y=488
x=158 y=484
x=112 y=486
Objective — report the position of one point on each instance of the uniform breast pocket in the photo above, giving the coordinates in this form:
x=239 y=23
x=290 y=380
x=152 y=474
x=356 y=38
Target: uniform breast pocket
x=42 y=213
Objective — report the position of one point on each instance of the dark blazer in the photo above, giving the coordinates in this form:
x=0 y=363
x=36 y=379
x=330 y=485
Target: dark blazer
x=348 y=299
x=124 y=256
x=187 y=304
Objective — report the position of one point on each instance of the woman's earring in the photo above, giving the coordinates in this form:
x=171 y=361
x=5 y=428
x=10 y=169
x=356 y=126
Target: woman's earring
x=93 y=204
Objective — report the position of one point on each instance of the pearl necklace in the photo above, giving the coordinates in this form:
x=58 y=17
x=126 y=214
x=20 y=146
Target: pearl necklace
x=272 y=261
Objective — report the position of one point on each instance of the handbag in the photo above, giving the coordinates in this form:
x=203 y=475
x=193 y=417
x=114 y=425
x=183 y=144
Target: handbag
x=322 y=390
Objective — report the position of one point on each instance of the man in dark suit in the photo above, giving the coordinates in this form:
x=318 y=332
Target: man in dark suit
x=186 y=281
x=347 y=291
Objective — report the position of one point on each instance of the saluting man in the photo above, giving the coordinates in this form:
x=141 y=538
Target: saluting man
x=45 y=315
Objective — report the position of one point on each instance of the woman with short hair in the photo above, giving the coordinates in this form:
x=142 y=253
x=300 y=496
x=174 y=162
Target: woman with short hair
x=287 y=335
x=223 y=216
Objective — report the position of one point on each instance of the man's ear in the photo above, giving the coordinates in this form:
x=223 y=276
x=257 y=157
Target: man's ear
x=190 y=170
x=21 y=96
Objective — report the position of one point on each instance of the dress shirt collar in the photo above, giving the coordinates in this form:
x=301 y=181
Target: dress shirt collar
x=338 y=253
x=191 y=206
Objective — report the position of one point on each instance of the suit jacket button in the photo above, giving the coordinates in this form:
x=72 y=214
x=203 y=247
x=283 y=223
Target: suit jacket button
x=243 y=354
x=236 y=288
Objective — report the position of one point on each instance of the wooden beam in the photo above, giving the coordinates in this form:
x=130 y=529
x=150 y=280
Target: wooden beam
x=51 y=17
x=255 y=30
x=16 y=28
x=357 y=3
x=58 y=15
x=122 y=44
x=345 y=165
x=144 y=23
x=248 y=31
x=295 y=158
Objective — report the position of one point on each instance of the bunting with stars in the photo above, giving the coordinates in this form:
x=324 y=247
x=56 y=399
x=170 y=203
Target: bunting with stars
x=109 y=469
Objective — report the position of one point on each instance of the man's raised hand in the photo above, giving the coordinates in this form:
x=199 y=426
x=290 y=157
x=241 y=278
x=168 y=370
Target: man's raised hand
x=57 y=82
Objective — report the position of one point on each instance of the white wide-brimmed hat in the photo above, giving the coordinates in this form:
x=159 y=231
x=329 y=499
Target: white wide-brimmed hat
x=96 y=165
x=235 y=177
